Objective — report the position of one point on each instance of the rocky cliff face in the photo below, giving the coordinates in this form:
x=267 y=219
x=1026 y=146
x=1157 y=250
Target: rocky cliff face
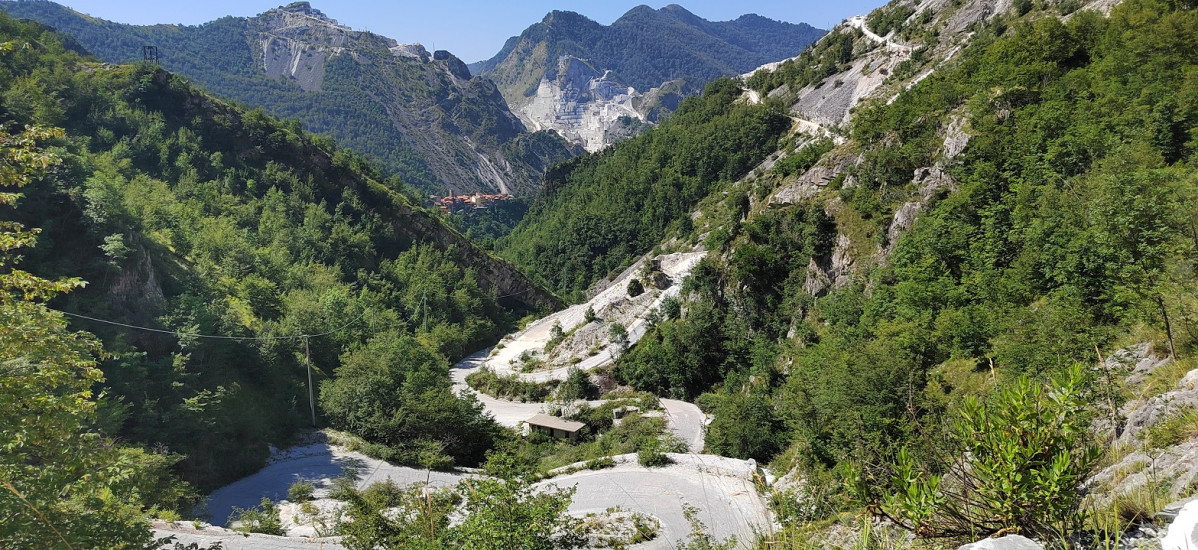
x=873 y=67
x=590 y=107
x=295 y=42
x=419 y=115
x=457 y=124
x=595 y=84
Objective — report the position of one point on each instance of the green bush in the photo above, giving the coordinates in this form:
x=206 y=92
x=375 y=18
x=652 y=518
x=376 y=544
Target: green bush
x=884 y=20
x=395 y=392
x=263 y=518
x=600 y=463
x=745 y=426
x=300 y=491
x=577 y=385
x=510 y=387
x=556 y=335
x=650 y=455
x=1015 y=463
x=671 y=308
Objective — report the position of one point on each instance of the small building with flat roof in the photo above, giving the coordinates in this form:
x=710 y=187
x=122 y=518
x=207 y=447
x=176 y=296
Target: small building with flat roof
x=554 y=426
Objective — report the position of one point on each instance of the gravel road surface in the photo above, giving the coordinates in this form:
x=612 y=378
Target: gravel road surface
x=232 y=540
x=686 y=421
x=319 y=463
x=720 y=488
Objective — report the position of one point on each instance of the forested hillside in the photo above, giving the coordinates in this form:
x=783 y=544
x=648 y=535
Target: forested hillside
x=927 y=256
x=245 y=247
x=597 y=212
x=1027 y=206
x=418 y=115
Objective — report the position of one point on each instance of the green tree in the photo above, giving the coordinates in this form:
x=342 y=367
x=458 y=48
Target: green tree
x=577 y=385
x=385 y=515
x=744 y=426
x=61 y=485
x=507 y=512
x=396 y=392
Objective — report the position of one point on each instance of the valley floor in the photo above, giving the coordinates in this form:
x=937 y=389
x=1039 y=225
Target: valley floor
x=721 y=489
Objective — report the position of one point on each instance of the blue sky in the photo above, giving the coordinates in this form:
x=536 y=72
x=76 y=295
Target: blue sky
x=472 y=30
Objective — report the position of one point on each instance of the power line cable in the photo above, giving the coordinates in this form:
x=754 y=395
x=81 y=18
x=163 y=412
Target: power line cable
x=525 y=291
x=213 y=336
x=240 y=338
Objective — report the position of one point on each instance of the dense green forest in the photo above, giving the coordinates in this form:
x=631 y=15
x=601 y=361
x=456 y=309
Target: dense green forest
x=251 y=247
x=647 y=47
x=962 y=349
x=403 y=113
x=597 y=212
x=1070 y=231
x=485 y=226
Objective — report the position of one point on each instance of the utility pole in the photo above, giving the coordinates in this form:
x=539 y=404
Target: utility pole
x=311 y=393
x=424 y=306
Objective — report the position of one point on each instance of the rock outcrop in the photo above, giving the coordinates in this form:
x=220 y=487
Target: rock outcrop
x=296 y=41
x=1141 y=414
x=590 y=107
x=596 y=84
x=1183 y=532
x=458 y=125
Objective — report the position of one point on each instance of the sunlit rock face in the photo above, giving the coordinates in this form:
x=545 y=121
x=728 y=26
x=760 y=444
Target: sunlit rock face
x=587 y=106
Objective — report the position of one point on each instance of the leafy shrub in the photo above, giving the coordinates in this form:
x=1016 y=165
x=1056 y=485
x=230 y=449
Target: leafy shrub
x=300 y=491
x=744 y=426
x=577 y=385
x=393 y=391
x=619 y=335
x=487 y=381
x=804 y=159
x=671 y=308
x=635 y=288
x=263 y=518
x=1016 y=462
x=884 y=20
x=699 y=538
x=650 y=455
x=600 y=463
x=556 y=335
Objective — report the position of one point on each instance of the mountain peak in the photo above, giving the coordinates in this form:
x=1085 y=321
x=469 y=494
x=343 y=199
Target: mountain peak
x=304 y=8
x=564 y=16
x=675 y=8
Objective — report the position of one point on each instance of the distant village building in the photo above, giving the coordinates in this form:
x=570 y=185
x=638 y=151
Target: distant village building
x=457 y=203
x=555 y=427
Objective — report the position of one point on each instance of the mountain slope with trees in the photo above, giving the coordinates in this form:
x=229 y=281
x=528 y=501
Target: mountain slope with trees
x=911 y=314
x=1012 y=198
x=418 y=115
x=599 y=211
x=247 y=249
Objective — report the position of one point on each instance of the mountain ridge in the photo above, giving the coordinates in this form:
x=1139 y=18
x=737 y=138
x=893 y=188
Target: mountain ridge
x=419 y=115
x=659 y=56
